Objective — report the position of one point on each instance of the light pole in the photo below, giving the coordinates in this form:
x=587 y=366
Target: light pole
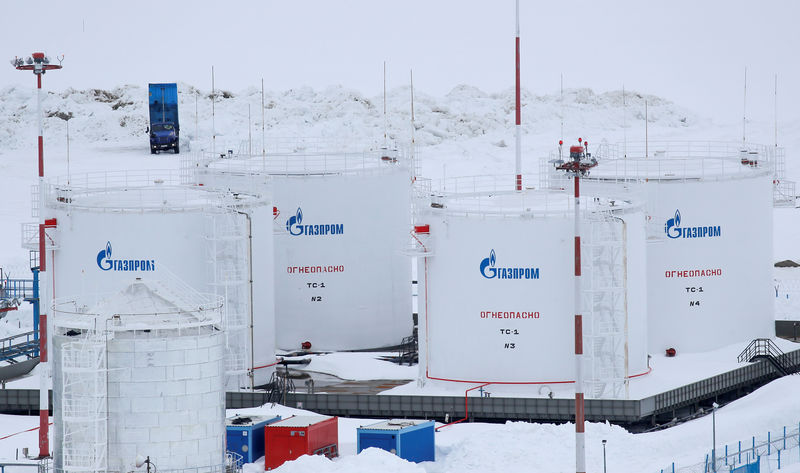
x=604 y=456
x=714 y=437
x=578 y=165
x=142 y=460
x=39 y=64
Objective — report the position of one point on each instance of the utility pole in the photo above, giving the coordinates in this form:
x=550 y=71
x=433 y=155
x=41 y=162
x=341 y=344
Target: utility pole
x=39 y=64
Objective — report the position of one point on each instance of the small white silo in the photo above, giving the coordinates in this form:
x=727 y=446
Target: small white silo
x=140 y=372
x=497 y=294
x=110 y=227
x=341 y=219
x=709 y=236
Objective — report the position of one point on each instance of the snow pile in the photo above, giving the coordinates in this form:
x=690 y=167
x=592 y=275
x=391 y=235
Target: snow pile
x=121 y=114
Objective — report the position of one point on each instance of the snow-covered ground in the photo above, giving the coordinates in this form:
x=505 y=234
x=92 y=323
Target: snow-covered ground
x=523 y=447
x=465 y=132
x=687 y=68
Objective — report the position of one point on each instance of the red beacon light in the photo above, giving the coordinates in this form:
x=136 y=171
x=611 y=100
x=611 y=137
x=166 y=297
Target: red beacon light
x=579 y=161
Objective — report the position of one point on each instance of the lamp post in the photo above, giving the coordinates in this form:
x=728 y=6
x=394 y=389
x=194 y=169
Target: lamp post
x=579 y=164
x=142 y=460
x=714 y=437
x=604 y=456
x=39 y=64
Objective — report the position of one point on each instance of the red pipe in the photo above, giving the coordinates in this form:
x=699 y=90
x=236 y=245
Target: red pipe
x=267 y=366
x=466 y=407
x=22 y=432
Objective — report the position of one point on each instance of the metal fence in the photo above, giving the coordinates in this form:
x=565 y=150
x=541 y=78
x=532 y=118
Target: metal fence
x=776 y=450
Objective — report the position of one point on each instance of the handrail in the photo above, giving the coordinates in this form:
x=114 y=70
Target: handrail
x=16 y=288
x=8 y=340
x=760 y=347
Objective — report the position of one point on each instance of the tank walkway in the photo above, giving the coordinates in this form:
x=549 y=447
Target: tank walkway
x=13 y=292
x=19 y=354
x=637 y=414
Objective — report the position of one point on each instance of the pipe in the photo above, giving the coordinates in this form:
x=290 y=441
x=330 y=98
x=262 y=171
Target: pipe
x=279 y=360
x=466 y=407
x=250 y=283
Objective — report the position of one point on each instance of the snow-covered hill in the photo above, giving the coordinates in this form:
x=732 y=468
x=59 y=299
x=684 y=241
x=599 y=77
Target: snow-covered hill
x=120 y=114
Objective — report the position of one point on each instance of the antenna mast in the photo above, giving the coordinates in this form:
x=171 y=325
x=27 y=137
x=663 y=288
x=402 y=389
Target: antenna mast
x=413 y=142
x=263 y=140
x=624 y=129
x=561 y=100
x=646 y=137
x=744 y=110
x=518 y=113
x=249 y=133
x=385 y=124
x=776 y=110
x=67 y=122
x=213 y=116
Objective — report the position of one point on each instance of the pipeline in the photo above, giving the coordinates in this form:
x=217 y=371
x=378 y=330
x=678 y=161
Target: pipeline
x=466 y=407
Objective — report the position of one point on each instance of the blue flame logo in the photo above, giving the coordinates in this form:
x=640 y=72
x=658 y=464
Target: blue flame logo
x=673 y=226
x=293 y=224
x=487 y=266
x=296 y=227
x=103 y=261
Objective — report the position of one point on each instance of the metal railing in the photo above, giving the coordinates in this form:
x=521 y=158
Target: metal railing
x=19 y=289
x=132 y=191
x=679 y=160
x=767 y=349
x=301 y=162
x=759 y=347
x=23 y=345
x=772 y=450
x=496 y=196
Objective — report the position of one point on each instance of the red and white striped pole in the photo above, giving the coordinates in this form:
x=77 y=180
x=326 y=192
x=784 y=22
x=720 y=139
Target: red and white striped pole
x=580 y=441
x=519 y=116
x=39 y=64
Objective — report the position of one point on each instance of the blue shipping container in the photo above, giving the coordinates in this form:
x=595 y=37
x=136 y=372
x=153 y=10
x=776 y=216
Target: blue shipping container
x=245 y=435
x=410 y=440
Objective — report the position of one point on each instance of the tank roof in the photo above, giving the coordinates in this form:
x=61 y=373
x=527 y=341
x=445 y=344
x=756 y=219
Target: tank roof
x=138 y=192
x=142 y=304
x=482 y=195
x=303 y=163
x=681 y=160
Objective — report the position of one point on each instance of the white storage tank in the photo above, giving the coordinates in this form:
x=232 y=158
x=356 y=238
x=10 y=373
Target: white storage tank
x=140 y=372
x=342 y=220
x=497 y=287
x=111 y=227
x=709 y=250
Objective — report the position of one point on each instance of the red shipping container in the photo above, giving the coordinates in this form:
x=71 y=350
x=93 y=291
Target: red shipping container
x=291 y=438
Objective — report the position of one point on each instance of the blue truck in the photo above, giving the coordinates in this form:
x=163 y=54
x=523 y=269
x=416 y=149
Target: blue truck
x=164 y=129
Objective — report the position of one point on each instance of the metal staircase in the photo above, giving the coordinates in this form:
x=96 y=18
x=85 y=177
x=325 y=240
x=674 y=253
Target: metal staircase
x=13 y=292
x=766 y=349
x=18 y=348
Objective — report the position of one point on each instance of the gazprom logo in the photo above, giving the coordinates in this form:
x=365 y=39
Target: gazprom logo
x=105 y=262
x=489 y=271
x=673 y=229
x=295 y=226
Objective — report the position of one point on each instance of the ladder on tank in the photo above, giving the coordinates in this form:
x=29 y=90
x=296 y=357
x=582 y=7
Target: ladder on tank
x=605 y=306
x=83 y=392
x=227 y=245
